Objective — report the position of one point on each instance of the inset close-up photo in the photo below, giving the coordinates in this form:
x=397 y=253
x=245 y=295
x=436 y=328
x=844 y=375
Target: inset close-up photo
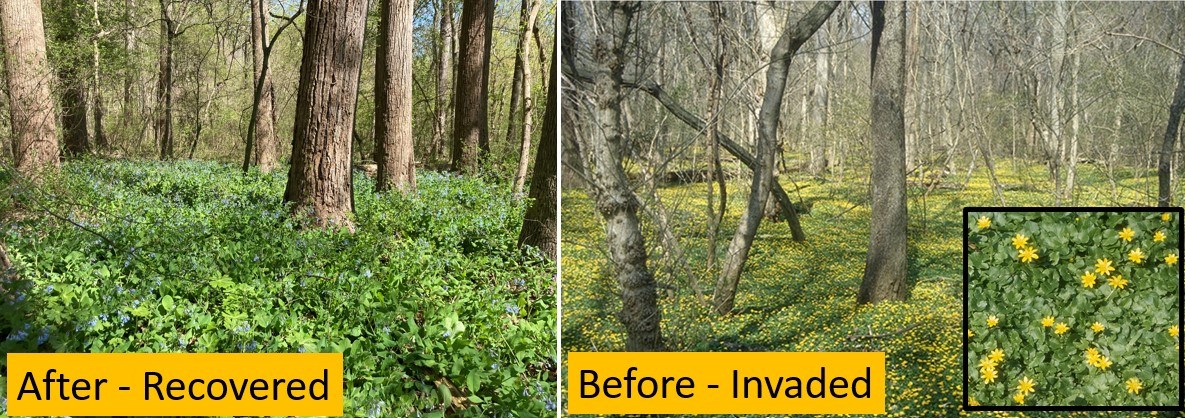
x=1072 y=308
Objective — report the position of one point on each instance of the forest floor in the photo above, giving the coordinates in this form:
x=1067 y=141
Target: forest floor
x=802 y=296
x=434 y=307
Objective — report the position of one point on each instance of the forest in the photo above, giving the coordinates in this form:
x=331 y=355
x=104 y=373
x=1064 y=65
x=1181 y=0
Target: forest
x=766 y=176
x=371 y=178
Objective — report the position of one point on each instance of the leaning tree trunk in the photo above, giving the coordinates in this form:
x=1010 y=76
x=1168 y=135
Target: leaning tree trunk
x=540 y=224
x=471 y=136
x=793 y=36
x=30 y=106
x=615 y=200
x=885 y=266
x=1165 y=168
x=319 y=181
x=394 y=147
x=264 y=141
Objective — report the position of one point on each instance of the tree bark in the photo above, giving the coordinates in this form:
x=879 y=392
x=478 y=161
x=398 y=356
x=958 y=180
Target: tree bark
x=444 y=73
x=525 y=121
x=319 y=180
x=886 y=264
x=30 y=105
x=394 y=145
x=264 y=141
x=794 y=34
x=471 y=137
x=96 y=86
x=73 y=83
x=1164 y=168
x=540 y=224
x=818 y=164
x=165 y=86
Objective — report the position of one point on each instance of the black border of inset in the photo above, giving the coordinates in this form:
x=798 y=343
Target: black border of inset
x=1180 y=308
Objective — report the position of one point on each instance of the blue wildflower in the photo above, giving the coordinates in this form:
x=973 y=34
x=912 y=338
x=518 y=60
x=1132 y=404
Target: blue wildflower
x=447 y=334
x=512 y=309
x=49 y=288
x=43 y=336
x=367 y=273
x=19 y=336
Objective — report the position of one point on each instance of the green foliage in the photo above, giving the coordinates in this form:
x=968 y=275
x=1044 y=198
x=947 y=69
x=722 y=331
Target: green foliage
x=1064 y=320
x=429 y=300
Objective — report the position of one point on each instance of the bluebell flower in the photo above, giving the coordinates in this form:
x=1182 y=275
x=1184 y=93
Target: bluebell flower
x=494 y=366
x=103 y=317
x=181 y=341
x=43 y=336
x=447 y=334
x=92 y=323
x=123 y=318
x=512 y=309
x=256 y=260
x=549 y=404
x=251 y=346
x=19 y=336
x=367 y=273
x=520 y=282
x=300 y=349
x=20 y=297
x=49 y=288
x=136 y=303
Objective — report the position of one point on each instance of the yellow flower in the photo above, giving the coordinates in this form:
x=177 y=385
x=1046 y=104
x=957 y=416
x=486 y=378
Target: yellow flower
x=1165 y=216
x=1104 y=363
x=970 y=334
x=1136 y=256
x=1028 y=254
x=1020 y=241
x=989 y=375
x=1127 y=234
x=1174 y=330
x=1117 y=281
x=1092 y=355
x=1097 y=327
x=1061 y=328
x=983 y=222
x=1019 y=398
x=1088 y=279
x=1170 y=259
x=1103 y=266
x=1047 y=321
x=1158 y=236
x=1134 y=386
x=996 y=355
x=992 y=321
x=987 y=363
x=971 y=401
x=1026 y=385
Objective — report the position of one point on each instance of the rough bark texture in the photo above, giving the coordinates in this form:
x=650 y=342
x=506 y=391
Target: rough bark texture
x=27 y=75
x=885 y=266
x=394 y=146
x=794 y=34
x=444 y=78
x=615 y=200
x=319 y=180
x=96 y=86
x=1165 y=167
x=525 y=121
x=540 y=224
x=265 y=142
x=471 y=136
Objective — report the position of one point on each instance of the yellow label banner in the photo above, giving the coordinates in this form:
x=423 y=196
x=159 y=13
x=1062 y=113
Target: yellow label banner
x=140 y=384
x=726 y=383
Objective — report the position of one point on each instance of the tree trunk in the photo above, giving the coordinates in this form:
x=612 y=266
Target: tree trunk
x=540 y=226
x=818 y=146
x=165 y=85
x=1165 y=166
x=30 y=105
x=886 y=265
x=319 y=181
x=528 y=102
x=471 y=137
x=444 y=73
x=793 y=36
x=394 y=146
x=96 y=86
x=73 y=83
x=264 y=141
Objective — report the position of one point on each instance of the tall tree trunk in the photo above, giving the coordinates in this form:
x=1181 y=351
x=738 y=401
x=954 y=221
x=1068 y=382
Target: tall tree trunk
x=73 y=82
x=794 y=34
x=818 y=147
x=528 y=102
x=715 y=91
x=96 y=86
x=1165 y=167
x=540 y=223
x=319 y=181
x=264 y=141
x=886 y=265
x=516 y=81
x=615 y=200
x=165 y=86
x=444 y=74
x=394 y=145
x=27 y=76
x=1075 y=124
x=471 y=136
